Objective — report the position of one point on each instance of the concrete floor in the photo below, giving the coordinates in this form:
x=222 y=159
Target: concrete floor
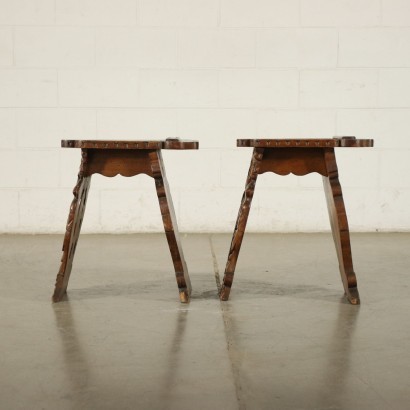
x=286 y=339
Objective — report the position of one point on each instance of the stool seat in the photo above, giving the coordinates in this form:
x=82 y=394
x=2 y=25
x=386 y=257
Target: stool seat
x=306 y=142
x=127 y=158
x=169 y=143
x=299 y=157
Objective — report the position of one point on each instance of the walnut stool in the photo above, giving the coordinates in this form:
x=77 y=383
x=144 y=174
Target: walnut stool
x=300 y=157
x=127 y=158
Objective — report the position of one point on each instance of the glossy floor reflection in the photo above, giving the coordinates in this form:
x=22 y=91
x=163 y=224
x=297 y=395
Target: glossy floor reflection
x=286 y=339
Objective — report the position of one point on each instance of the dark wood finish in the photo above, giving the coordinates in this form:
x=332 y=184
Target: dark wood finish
x=170 y=225
x=254 y=171
x=299 y=157
x=127 y=158
x=299 y=161
x=340 y=226
x=73 y=228
x=125 y=162
x=306 y=143
x=169 y=143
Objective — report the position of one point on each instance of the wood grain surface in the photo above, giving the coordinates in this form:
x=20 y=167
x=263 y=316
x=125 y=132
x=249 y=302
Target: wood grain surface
x=126 y=158
x=239 y=231
x=170 y=143
x=73 y=228
x=299 y=157
x=306 y=142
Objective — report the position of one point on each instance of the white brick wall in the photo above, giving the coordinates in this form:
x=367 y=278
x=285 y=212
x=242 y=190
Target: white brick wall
x=95 y=12
x=178 y=13
x=256 y=88
x=300 y=48
x=259 y=13
x=136 y=47
x=374 y=47
x=54 y=47
x=178 y=88
x=340 y=13
x=6 y=46
x=394 y=88
x=395 y=13
x=27 y=12
x=212 y=70
x=28 y=88
x=216 y=48
x=356 y=88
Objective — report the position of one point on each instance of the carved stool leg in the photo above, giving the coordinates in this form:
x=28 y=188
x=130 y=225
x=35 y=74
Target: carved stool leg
x=340 y=227
x=241 y=222
x=75 y=219
x=170 y=225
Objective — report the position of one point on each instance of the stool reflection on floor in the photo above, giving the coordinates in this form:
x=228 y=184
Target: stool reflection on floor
x=127 y=158
x=300 y=157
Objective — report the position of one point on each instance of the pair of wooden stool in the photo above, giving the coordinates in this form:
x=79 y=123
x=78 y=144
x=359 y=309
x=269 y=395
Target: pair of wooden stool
x=281 y=156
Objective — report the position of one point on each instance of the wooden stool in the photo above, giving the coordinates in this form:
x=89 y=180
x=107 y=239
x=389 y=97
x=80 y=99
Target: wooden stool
x=300 y=157
x=127 y=158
